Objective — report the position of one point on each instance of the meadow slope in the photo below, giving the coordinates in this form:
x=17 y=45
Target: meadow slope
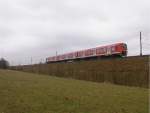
x=31 y=93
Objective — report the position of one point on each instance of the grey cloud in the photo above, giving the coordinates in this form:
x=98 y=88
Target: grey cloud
x=39 y=28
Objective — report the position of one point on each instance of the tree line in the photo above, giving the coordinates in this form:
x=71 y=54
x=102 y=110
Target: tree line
x=4 y=64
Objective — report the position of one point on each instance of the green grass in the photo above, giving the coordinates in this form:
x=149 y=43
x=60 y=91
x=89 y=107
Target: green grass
x=31 y=93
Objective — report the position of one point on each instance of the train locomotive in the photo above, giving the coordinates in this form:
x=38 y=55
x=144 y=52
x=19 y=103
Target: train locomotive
x=114 y=50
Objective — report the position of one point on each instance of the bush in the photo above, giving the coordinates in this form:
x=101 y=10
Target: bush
x=4 y=64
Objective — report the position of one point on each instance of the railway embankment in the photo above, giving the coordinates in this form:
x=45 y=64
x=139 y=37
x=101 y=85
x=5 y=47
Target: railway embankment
x=130 y=71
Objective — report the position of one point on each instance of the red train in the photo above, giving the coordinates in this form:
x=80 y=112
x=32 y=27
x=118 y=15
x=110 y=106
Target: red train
x=118 y=49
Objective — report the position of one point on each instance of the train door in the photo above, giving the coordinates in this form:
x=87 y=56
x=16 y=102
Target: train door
x=108 y=51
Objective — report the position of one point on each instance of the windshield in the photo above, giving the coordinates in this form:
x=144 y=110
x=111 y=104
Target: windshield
x=125 y=46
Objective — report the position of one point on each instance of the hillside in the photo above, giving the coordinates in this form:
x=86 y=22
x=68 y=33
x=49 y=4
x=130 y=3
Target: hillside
x=31 y=93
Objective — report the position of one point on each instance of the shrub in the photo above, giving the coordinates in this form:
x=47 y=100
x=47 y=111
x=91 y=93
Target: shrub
x=4 y=64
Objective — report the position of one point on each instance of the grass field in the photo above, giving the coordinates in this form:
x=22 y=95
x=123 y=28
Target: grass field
x=31 y=93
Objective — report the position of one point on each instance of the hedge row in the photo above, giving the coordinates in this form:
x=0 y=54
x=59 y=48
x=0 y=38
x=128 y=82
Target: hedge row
x=132 y=71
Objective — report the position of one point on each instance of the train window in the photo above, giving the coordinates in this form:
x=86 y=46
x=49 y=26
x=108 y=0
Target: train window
x=113 y=48
x=98 y=50
x=76 y=54
x=90 y=52
x=125 y=46
x=80 y=54
x=104 y=50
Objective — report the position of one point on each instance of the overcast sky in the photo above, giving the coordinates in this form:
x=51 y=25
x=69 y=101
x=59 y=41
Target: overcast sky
x=39 y=28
